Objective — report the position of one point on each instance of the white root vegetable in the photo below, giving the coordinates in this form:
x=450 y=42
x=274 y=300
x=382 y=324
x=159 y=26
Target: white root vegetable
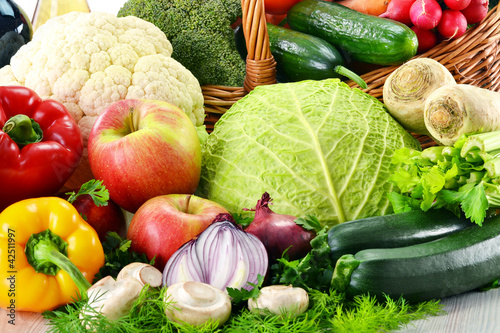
x=196 y=303
x=142 y=272
x=114 y=299
x=407 y=88
x=454 y=110
x=280 y=300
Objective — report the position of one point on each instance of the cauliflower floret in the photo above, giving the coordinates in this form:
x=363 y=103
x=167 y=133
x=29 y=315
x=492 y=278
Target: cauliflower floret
x=88 y=61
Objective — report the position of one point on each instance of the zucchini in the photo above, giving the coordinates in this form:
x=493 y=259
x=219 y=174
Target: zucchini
x=393 y=230
x=300 y=56
x=361 y=37
x=462 y=261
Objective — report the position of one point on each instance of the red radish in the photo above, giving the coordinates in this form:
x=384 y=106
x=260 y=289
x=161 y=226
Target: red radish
x=453 y=24
x=425 y=14
x=457 y=4
x=426 y=39
x=476 y=11
x=279 y=232
x=399 y=10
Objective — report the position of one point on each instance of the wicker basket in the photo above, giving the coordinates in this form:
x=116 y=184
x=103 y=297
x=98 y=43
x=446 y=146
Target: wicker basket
x=472 y=59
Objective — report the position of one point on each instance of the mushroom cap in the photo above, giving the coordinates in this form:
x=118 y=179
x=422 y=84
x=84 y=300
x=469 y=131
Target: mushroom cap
x=195 y=303
x=114 y=299
x=144 y=273
x=280 y=300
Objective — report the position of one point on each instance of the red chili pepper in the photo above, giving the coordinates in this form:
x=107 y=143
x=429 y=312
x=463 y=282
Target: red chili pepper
x=40 y=145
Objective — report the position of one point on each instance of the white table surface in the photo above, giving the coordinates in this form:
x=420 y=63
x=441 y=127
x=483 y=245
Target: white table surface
x=472 y=312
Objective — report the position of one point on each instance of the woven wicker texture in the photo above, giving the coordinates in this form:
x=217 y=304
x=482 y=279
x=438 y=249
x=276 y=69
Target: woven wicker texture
x=472 y=59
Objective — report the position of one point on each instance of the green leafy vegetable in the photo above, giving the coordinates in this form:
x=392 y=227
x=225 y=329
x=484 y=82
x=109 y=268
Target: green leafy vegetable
x=314 y=270
x=117 y=255
x=317 y=147
x=96 y=190
x=462 y=178
x=240 y=295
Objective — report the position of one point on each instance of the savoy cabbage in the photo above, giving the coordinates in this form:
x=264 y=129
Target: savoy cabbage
x=317 y=147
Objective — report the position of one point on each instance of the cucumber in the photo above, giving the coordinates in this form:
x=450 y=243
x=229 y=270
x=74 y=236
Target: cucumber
x=300 y=56
x=361 y=37
x=393 y=230
x=462 y=261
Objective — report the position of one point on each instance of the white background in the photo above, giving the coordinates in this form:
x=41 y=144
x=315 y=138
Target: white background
x=110 y=6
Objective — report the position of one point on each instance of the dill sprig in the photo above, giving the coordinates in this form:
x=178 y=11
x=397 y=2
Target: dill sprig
x=328 y=312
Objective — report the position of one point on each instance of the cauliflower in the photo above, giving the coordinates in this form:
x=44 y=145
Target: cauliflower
x=88 y=61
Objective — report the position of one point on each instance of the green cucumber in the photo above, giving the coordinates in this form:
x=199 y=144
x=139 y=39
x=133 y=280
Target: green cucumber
x=451 y=265
x=301 y=57
x=361 y=37
x=393 y=230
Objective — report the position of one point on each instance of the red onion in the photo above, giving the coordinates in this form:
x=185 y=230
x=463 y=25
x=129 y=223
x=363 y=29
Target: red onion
x=222 y=256
x=279 y=232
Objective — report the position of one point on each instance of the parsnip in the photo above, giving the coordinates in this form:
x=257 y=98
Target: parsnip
x=407 y=88
x=451 y=111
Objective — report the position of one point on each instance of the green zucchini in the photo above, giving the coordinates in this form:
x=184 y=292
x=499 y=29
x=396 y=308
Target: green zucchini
x=462 y=261
x=393 y=230
x=361 y=37
x=301 y=57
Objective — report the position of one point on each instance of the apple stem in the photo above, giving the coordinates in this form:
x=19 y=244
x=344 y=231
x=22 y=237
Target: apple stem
x=131 y=118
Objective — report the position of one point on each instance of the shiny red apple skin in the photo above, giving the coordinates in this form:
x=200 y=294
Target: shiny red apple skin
x=141 y=149
x=102 y=218
x=164 y=223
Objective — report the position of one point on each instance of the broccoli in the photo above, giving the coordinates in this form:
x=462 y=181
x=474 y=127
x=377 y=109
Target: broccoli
x=201 y=35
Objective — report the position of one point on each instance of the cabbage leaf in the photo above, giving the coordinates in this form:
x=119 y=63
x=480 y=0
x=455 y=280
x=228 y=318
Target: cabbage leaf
x=317 y=147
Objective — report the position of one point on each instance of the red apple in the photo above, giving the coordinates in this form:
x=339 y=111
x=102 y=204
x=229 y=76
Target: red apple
x=164 y=223
x=141 y=149
x=102 y=218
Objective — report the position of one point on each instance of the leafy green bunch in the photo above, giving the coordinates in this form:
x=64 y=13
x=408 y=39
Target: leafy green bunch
x=464 y=177
x=201 y=35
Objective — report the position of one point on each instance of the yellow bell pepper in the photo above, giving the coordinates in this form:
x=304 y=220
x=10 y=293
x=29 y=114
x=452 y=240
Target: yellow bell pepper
x=49 y=255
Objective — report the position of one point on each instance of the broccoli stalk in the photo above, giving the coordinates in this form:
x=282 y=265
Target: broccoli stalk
x=200 y=33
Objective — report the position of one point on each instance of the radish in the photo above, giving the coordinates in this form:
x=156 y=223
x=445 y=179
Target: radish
x=457 y=4
x=279 y=232
x=425 y=14
x=453 y=24
x=476 y=11
x=399 y=10
x=426 y=39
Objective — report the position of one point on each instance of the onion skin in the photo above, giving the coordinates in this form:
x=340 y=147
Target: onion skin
x=279 y=232
x=455 y=110
x=407 y=88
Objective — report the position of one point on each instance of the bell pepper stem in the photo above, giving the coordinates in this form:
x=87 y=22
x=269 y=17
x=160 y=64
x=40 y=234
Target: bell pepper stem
x=46 y=252
x=23 y=130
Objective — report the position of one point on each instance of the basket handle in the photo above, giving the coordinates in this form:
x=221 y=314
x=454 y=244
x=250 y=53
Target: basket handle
x=260 y=63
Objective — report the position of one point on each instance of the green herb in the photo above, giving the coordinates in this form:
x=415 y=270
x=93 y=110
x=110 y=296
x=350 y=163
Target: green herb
x=309 y=222
x=329 y=311
x=464 y=177
x=94 y=188
x=117 y=254
x=315 y=269
x=240 y=295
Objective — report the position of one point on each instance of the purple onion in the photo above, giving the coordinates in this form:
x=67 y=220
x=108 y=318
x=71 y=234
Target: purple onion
x=222 y=256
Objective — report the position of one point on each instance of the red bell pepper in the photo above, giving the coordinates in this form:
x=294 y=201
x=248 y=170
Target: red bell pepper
x=40 y=145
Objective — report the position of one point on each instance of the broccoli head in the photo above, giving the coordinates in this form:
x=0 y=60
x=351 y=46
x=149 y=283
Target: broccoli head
x=201 y=35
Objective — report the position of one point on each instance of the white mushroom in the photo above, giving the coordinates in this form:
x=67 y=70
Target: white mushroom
x=280 y=300
x=196 y=303
x=142 y=272
x=114 y=299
